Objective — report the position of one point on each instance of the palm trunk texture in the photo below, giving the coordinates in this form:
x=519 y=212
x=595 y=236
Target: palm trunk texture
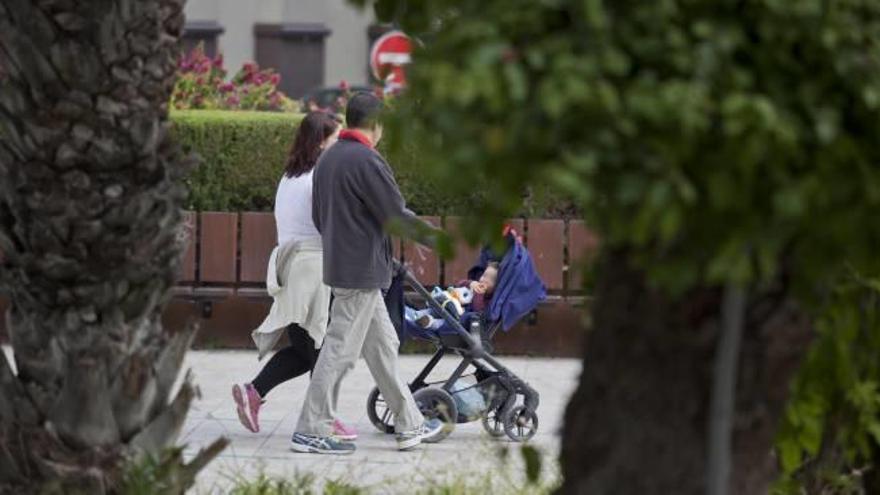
x=90 y=230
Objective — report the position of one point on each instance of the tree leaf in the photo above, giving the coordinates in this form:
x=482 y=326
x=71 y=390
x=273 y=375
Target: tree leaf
x=532 y=458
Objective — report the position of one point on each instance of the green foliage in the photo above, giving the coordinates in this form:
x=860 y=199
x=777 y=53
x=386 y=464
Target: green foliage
x=507 y=475
x=243 y=155
x=832 y=424
x=144 y=478
x=151 y=475
x=532 y=459
x=717 y=138
x=717 y=141
x=300 y=484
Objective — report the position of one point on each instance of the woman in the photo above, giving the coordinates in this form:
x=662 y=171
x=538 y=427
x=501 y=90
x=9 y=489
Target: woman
x=295 y=278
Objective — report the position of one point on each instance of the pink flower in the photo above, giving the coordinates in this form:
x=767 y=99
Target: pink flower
x=275 y=79
x=200 y=80
x=232 y=101
x=226 y=87
x=250 y=67
x=218 y=61
x=258 y=78
x=343 y=85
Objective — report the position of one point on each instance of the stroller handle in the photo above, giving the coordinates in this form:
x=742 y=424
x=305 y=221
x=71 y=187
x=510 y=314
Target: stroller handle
x=397 y=267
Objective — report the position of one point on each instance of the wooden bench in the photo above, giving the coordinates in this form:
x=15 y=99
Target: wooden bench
x=223 y=274
x=228 y=254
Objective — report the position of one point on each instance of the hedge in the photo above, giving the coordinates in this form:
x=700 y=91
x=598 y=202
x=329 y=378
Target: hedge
x=242 y=158
x=242 y=155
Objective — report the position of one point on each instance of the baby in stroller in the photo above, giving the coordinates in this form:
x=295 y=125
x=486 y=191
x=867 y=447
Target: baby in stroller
x=505 y=402
x=466 y=296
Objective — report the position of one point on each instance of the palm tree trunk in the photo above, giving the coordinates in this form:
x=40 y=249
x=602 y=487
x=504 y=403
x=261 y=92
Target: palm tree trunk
x=638 y=420
x=90 y=213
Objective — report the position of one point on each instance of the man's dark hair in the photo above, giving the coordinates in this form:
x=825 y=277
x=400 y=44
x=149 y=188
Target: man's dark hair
x=362 y=111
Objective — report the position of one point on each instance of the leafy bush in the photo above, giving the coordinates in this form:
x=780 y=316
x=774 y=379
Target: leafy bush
x=243 y=157
x=201 y=84
x=832 y=426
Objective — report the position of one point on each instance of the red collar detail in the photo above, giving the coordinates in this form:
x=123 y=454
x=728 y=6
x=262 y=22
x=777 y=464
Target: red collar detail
x=355 y=135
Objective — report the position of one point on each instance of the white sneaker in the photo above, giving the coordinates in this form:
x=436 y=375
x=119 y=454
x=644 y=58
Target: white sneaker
x=426 y=432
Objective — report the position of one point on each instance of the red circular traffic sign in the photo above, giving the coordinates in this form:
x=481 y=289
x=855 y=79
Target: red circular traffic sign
x=390 y=53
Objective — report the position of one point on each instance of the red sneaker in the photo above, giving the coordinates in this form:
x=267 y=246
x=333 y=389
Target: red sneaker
x=247 y=403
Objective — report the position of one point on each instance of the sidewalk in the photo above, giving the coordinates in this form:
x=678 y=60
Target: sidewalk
x=376 y=464
x=468 y=452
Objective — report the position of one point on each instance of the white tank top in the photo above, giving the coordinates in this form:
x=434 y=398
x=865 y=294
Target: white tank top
x=293 y=209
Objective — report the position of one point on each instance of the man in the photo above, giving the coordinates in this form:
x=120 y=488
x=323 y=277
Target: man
x=354 y=197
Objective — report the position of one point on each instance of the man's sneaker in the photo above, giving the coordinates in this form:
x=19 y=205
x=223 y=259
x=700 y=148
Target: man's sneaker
x=311 y=444
x=247 y=403
x=344 y=432
x=427 y=432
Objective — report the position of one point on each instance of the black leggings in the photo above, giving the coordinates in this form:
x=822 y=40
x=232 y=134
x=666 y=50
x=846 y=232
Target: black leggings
x=292 y=361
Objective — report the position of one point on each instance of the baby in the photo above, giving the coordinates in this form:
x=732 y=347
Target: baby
x=471 y=295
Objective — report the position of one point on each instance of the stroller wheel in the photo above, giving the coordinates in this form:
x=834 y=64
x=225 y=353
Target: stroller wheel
x=379 y=413
x=434 y=402
x=520 y=423
x=493 y=424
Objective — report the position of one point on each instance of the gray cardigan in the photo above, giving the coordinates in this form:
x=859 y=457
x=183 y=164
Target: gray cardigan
x=354 y=196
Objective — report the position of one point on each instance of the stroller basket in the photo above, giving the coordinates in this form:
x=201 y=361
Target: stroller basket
x=474 y=396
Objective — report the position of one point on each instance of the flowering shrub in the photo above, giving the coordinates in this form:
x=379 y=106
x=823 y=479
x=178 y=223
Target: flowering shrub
x=201 y=84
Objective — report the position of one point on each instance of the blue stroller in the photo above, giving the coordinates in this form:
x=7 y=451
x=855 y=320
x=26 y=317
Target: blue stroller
x=506 y=404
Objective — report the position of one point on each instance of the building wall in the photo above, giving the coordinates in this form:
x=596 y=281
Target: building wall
x=346 y=48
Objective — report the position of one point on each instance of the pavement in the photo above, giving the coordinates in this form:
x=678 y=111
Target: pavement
x=377 y=464
x=468 y=454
